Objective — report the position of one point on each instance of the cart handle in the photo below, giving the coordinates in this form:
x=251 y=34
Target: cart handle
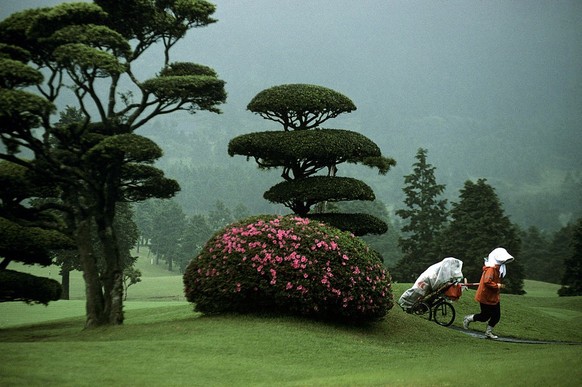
x=469 y=284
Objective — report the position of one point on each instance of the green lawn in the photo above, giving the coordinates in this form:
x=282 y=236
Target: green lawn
x=164 y=343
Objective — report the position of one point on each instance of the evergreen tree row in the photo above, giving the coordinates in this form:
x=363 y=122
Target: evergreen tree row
x=474 y=226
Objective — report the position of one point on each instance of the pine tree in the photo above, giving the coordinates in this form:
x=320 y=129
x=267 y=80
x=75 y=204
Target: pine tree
x=535 y=251
x=560 y=248
x=426 y=216
x=572 y=280
x=78 y=50
x=478 y=226
x=303 y=151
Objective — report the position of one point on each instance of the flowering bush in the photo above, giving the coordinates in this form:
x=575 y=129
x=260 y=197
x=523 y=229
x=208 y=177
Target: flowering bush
x=289 y=264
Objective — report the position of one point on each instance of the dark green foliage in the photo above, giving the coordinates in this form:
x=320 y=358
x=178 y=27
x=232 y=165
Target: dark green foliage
x=131 y=276
x=175 y=238
x=28 y=234
x=94 y=35
x=148 y=20
x=129 y=147
x=302 y=150
x=289 y=265
x=88 y=60
x=558 y=251
x=89 y=53
x=14 y=32
x=322 y=147
x=202 y=92
x=478 y=226
x=304 y=193
x=21 y=111
x=30 y=245
x=357 y=223
x=195 y=234
x=8 y=51
x=187 y=69
x=16 y=74
x=425 y=215
x=572 y=280
x=18 y=184
x=536 y=256
x=16 y=286
x=63 y=15
x=300 y=106
x=387 y=242
x=141 y=182
x=169 y=222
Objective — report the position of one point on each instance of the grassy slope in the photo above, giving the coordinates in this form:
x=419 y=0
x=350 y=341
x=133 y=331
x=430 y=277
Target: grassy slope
x=167 y=344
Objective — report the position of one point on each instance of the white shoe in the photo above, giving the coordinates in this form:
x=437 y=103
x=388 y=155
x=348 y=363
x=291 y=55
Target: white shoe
x=489 y=334
x=468 y=318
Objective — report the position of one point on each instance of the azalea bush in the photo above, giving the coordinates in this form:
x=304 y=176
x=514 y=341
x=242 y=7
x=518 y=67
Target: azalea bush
x=292 y=265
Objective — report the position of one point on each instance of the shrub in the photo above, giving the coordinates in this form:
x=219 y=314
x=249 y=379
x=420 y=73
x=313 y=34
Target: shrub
x=291 y=265
x=17 y=286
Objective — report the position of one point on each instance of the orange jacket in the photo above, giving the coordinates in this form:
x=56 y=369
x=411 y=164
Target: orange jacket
x=489 y=286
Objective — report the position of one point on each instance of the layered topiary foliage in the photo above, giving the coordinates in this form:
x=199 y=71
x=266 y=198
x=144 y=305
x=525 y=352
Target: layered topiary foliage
x=300 y=106
x=303 y=150
x=28 y=235
x=17 y=286
x=289 y=265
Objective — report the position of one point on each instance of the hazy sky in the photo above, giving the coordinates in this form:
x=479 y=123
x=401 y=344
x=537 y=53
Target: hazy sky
x=505 y=76
x=491 y=88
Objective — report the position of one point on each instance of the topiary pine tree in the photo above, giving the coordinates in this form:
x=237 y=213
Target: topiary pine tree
x=304 y=151
x=89 y=51
x=28 y=235
x=478 y=226
x=426 y=216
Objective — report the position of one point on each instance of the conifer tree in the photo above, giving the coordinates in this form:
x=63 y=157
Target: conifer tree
x=426 y=215
x=478 y=225
x=572 y=280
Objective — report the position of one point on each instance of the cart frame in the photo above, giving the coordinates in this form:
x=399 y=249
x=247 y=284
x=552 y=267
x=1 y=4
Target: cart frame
x=439 y=307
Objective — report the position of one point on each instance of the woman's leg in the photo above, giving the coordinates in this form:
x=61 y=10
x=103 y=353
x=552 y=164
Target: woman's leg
x=487 y=312
x=495 y=315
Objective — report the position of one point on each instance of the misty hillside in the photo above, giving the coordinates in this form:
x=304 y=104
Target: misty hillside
x=492 y=89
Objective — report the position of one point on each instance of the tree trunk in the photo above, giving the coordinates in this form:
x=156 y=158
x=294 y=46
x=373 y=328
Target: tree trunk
x=112 y=276
x=65 y=284
x=95 y=303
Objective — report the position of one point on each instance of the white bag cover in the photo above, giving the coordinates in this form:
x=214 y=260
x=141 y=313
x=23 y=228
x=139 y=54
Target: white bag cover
x=445 y=271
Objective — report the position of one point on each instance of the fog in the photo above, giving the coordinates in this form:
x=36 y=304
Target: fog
x=493 y=89
x=438 y=74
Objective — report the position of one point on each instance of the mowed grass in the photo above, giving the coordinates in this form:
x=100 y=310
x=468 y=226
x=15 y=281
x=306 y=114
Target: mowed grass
x=164 y=343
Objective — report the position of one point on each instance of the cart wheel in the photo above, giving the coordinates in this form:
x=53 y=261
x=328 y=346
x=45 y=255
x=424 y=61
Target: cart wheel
x=421 y=308
x=443 y=313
